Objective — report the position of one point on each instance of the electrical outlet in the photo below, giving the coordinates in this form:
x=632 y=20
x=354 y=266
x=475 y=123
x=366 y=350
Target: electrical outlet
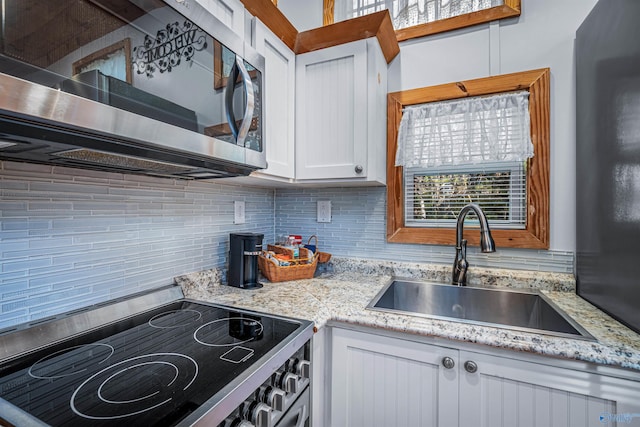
x=324 y=210
x=238 y=212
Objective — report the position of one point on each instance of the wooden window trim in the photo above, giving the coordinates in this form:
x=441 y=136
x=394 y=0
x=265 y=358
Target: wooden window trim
x=124 y=44
x=536 y=232
x=376 y=24
x=510 y=9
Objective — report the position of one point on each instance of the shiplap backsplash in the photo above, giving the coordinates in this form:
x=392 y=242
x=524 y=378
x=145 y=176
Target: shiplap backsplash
x=70 y=238
x=358 y=230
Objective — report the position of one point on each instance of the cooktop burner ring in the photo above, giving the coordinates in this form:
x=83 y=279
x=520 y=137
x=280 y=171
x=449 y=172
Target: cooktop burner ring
x=42 y=361
x=165 y=315
x=116 y=402
x=127 y=407
x=230 y=344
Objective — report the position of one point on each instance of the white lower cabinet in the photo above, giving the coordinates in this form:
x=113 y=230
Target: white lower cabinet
x=508 y=392
x=381 y=381
x=385 y=381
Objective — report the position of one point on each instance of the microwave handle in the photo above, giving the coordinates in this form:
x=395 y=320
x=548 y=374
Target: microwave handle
x=238 y=68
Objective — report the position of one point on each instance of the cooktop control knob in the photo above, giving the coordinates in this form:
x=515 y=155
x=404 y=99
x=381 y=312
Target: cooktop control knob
x=272 y=396
x=289 y=382
x=291 y=365
x=239 y=422
x=275 y=398
x=275 y=378
x=304 y=369
x=261 y=414
x=286 y=381
x=261 y=393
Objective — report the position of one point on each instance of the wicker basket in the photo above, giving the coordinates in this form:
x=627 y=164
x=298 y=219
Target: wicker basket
x=299 y=268
x=322 y=256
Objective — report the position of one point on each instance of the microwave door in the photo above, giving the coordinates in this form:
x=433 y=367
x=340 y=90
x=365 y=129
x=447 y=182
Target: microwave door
x=238 y=69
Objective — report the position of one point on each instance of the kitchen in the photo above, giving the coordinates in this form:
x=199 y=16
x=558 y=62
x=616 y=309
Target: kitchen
x=72 y=238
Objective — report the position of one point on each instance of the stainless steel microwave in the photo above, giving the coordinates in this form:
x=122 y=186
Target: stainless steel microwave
x=158 y=87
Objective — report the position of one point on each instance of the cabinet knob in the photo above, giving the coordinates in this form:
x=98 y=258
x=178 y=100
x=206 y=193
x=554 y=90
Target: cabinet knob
x=470 y=366
x=359 y=168
x=448 y=362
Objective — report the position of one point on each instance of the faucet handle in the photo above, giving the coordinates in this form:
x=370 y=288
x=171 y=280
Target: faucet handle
x=462 y=256
x=460 y=264
x=463 y=249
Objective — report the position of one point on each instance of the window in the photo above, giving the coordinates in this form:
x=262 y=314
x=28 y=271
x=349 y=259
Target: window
x=434 y=198
x=441 y=174
x=114 y=61
x=471 y=149
x=417 y=18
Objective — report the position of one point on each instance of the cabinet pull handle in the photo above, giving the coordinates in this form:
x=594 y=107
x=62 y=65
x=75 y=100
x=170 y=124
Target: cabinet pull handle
x=448 y=362
x=470 y=366
x=359 y=168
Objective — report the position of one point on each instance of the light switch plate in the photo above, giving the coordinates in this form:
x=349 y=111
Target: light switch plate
x=238 y=212
x=324 y=210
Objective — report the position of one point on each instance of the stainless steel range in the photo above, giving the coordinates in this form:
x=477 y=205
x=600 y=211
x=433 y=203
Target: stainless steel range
x=157 y=359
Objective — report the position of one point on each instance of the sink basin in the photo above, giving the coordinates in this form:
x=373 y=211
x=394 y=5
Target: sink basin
x=528 y=311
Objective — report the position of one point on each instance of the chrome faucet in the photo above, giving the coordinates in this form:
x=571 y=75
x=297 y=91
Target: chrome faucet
x=460 y=264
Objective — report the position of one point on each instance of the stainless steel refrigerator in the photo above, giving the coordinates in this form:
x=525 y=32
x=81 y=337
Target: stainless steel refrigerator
x=608 y=159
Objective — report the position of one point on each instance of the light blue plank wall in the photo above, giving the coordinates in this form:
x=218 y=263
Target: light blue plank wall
x=358 y=229
x=71 y=238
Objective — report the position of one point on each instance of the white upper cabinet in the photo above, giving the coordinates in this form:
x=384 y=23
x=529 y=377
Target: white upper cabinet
x=230 y=12
x=279 y=98
x=341 y=114
x=325 y=108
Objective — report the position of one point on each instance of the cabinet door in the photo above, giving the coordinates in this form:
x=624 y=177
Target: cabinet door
x=331 y=112
x=230 y=12
x=382 y=381
x=279 y=98
x=513 y=393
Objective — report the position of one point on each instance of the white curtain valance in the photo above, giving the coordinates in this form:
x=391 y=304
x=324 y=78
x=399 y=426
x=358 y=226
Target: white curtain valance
x=466 y=131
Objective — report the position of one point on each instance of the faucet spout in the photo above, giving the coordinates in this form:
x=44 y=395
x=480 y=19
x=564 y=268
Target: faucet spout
x=460 y=264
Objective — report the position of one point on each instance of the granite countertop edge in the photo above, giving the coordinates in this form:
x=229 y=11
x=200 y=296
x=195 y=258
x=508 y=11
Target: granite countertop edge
x=342 y=296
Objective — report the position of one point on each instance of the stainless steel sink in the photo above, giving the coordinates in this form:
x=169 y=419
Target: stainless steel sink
x=529 y=311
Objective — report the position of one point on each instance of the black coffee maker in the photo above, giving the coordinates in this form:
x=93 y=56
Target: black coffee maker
x=244 y=249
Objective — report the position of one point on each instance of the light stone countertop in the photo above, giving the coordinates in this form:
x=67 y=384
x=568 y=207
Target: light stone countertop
x=343 y=295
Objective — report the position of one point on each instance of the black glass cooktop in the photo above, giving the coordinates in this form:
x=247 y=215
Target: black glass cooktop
x=152 y=369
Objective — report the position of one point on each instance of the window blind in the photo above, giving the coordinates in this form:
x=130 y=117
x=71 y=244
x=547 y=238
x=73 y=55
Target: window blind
x=434 y=197
x=466 y=131
x=407 y=13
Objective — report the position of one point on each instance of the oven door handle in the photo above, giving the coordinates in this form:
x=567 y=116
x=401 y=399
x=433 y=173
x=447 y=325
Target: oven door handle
x=302 y=416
